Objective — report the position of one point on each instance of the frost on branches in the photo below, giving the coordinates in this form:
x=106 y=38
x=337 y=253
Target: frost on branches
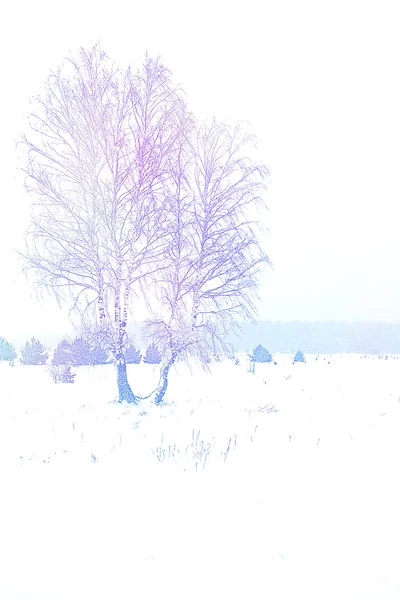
x=132 y=197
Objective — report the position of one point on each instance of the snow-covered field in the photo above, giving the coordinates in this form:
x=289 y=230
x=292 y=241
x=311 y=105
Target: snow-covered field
x=279 y=485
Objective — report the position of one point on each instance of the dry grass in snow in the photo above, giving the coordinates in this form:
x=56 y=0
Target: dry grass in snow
x=282 y=484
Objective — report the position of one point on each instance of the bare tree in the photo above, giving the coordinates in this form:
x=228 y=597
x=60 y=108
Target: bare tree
x=97 y=163
x=214 y=257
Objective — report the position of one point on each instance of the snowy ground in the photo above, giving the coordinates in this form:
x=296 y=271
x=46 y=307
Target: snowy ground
x=278 y=485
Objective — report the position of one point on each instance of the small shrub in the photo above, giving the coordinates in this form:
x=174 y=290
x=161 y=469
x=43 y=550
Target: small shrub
x=132 y=355
x=79 y=352
x=62 y=354
x=153 y=356
x=261 y=355
x=61 y=373
x=67 y=376
x=86 y=353
x=299 y=357
x=33 y=353
x=7 y=351
x=98 y=356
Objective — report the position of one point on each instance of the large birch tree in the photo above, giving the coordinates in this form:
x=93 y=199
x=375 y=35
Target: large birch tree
x=97 y=161
x=214 y=258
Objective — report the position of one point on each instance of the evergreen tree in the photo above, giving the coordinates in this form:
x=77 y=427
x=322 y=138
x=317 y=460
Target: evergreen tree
x=153 y=356
x=99 y=356
x=132 y=355
x=80 y=352
x=261 y=355
x=7 y=351
x=33 y=353
x=83 y=353
x=62 y=354
x=299 y=357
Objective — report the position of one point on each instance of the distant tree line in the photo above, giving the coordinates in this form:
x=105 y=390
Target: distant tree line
x=327 y=337
x=74 y=353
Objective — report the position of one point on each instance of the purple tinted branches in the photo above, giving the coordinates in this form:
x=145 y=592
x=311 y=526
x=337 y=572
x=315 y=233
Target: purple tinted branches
x=214 y=258
x=97 y=158
x=227 y=253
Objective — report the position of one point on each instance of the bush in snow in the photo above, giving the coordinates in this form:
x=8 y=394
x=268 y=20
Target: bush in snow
x=299 y=357
x=79 y=352
x=98 y=356
x=132 y=355
x=61 y=373
x=33 y=353
x=83 y=353
x=7 y=351
x=261 y=355
x=62 y=354
x=153 y=356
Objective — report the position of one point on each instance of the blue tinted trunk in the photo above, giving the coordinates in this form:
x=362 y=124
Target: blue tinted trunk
x=124 y=389
x=164 y=377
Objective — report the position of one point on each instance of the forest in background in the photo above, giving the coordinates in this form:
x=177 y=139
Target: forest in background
x=327 y=337
x=318 y=337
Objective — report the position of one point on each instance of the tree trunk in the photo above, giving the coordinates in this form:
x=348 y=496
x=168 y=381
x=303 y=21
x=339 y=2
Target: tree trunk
x=124 y=389
x=164 y=376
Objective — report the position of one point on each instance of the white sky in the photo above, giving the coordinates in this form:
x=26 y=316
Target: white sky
x=319 y=83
